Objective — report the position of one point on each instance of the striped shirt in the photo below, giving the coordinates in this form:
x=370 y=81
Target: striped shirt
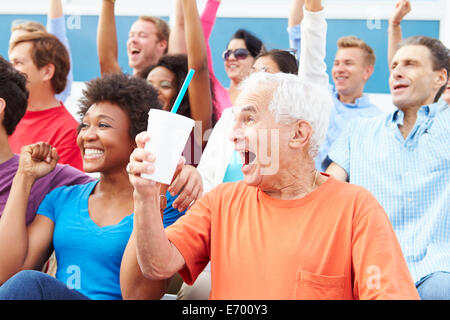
x=341 y=114
x=409 y=177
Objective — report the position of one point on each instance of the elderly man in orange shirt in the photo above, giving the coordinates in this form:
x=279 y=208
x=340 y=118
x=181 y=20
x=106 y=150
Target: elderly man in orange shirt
x=287 y=231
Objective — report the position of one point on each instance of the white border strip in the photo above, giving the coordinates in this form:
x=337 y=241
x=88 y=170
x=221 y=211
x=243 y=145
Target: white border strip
x=335 y=9
x=444 y=26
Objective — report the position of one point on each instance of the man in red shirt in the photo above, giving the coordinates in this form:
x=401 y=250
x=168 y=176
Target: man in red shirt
x=45 y=61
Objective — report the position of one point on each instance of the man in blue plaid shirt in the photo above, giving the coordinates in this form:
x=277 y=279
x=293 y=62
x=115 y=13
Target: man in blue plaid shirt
x=403 y=159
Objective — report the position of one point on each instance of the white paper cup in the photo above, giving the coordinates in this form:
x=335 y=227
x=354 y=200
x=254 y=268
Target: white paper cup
x=169 y=133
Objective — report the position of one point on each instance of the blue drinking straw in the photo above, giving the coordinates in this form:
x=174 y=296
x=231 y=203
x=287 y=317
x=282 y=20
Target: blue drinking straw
x=184 y=87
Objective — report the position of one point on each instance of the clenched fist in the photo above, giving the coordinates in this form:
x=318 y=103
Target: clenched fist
x=37 y=160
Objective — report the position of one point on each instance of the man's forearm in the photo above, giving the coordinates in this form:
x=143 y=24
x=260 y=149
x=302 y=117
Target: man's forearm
x=177 y=38
x=296 y=13
x=107 y=47
x=156 y=255
x=13 y=227
x=394 y=38
x=55 y=10
x=312 y=53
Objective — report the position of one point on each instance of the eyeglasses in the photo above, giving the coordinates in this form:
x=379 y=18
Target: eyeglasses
x=239 y=54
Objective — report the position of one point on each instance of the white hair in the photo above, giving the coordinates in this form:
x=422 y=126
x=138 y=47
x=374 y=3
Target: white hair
x=295 y=99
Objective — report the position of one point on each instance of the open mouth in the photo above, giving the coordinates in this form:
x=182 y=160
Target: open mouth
x=340 y=76
x=135 y=51
x=247 y=157
x=400 y=86
x=232 y=66
x=90 y=153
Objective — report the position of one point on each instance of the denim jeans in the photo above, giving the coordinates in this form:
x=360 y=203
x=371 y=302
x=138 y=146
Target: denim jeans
x=35 y=285
x=435 y=286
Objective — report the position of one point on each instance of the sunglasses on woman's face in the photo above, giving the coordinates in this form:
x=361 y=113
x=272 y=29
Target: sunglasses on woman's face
x=239 y=54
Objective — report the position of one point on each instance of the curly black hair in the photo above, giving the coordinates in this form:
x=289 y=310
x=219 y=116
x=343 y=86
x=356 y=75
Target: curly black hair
x=13 y=89
x=132 y=94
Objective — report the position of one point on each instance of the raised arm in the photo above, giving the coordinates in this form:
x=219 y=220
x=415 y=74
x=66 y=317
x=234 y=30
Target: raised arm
x=107 y=47
x=402 y=8
x=177 y=38
x=133 y=283
x=294 y=20
x=158 y=258
x=200 y=98
x=208 y=19
x=312 y=54
x=25 y=247
x=56 y=25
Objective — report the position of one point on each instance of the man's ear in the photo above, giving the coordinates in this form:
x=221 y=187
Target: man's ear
x=2 y=106
x=2 y=110
x=368 y=71
x=440 y=78
x=162 y=45
x=301 y=134
x=48 y=71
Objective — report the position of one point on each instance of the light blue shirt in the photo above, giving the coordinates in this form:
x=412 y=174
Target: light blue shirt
x=57 y=27
x=295 y=39
x=88 y=256
x=340 y=115
x=409 y=177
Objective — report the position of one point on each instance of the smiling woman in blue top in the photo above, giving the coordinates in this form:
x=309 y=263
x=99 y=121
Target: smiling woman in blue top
x=88 y=225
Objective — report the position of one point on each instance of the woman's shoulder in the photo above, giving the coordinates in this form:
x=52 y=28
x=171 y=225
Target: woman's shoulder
x=76 y=190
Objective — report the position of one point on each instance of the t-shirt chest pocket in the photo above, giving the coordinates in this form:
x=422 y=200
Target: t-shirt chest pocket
x=313 y=286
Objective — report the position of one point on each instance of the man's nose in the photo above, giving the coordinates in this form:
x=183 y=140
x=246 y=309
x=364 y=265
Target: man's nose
x=339 y=67
x=236 y=133
x=396 y=73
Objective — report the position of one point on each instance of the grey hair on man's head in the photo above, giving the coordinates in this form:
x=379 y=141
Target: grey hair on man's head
x=295 y=99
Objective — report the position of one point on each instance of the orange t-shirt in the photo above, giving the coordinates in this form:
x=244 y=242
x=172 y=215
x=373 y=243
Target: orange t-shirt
x=334 y=243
